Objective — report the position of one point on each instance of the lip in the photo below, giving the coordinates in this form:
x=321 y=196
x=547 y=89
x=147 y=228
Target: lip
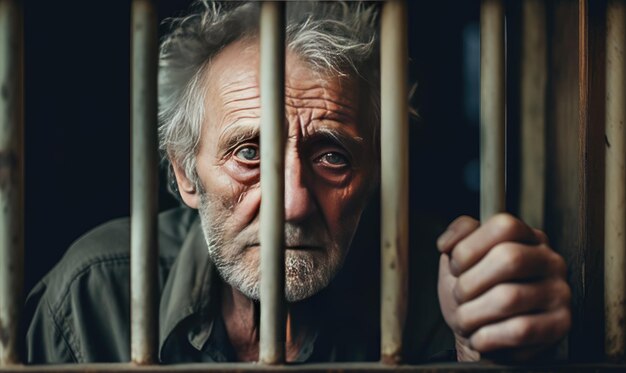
x=291 y=247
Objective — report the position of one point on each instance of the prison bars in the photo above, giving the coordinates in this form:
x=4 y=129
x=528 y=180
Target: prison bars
x=492 y=104
x=272 y=214
x=534 y=61
x=11 y=179
x=143 y=238
x=394 y=178
x=11 y=117
x=615 y=181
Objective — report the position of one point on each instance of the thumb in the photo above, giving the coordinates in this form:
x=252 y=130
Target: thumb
x=445 y=287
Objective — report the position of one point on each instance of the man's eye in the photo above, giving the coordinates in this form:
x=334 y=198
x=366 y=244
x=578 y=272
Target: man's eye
x=247 y=153
x=333 y=159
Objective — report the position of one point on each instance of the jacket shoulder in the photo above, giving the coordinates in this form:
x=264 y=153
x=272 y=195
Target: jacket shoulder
x=87 y=293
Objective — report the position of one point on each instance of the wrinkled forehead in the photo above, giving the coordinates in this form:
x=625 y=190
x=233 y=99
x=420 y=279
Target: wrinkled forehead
x=234 y=73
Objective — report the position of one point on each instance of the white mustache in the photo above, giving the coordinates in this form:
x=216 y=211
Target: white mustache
x=295 y=236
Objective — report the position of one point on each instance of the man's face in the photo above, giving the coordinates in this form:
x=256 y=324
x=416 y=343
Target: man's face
x=329 y=171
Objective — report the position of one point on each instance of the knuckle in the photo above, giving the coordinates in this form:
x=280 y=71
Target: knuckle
x=459 y=292
x=553 y=262
x=559 y=264
x=510 y=296
x=506 y=222
x=563 y=292
x=462 y=322
x=561 y=324
x=479 y=340
x=541 y=235
x=461 y=254
x=463 y=219
x=522 y=331
x=508 y=254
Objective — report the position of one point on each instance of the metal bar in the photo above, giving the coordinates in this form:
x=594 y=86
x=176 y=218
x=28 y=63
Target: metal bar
x=144 y=245
x=272 y=214
x=362 y=367
x=492 y=101
x=533 y=114
x=11 y=179
x=394 y=178
x=615 y=202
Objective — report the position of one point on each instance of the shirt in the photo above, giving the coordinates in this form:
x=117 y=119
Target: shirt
x=80 y=311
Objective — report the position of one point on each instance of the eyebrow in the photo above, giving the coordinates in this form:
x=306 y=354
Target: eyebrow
x=235 y=135
x=351 y=143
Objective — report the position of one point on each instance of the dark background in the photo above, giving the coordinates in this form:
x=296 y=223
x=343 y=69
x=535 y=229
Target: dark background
x=77 y=104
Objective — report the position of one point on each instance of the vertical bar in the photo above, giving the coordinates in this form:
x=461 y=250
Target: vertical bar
x=580 y=161
x=144 y=245
x=533 y=114
x=394 y=178
x=615 y=211
x=492 y=101
x=11 y=179
x=272 y=35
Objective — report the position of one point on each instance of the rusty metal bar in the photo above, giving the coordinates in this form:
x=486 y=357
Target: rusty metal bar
x=11 y=179
x=362 y=367
x=144 y=244
x=492 y=106
x=534 y=66
x=615 y=202
x=272 y=39
x=394 y=178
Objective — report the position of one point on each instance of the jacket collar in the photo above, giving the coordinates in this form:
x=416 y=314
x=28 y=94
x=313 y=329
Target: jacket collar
x=188 y=288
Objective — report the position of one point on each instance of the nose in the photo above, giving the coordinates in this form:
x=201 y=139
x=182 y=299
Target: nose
x=299 y=203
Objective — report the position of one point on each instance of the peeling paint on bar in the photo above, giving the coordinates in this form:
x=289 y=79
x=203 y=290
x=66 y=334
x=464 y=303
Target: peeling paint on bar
x=144 y=244
x=11 y=180
x=492 y=106
x=394 y=178
x=272 y=214
x=615 y=184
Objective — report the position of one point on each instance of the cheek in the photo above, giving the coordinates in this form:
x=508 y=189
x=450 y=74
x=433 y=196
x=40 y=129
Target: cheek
x=342 y=207
x=241 y=199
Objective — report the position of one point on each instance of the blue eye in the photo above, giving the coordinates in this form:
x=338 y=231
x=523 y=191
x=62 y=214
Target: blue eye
x=248 y=153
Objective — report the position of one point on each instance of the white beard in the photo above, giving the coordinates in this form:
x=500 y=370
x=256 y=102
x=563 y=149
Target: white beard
x=307 y=271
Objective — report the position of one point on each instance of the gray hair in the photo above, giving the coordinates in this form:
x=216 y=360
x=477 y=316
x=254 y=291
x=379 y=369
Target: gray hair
x=337 y=38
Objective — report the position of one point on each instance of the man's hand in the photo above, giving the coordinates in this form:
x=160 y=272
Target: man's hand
x=502 y=289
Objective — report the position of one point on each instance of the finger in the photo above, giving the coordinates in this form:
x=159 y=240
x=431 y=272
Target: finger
x=456 y=231
x=500 y=228
x=445 y=286
x=508 y=262
x=541 y=236
x=535 y=353
x=523 y=331
x=511 y=299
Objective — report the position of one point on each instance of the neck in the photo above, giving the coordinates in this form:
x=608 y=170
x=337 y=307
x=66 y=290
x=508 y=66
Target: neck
x=241 y=318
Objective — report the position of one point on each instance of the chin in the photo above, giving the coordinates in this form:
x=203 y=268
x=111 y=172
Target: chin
x=306 y=274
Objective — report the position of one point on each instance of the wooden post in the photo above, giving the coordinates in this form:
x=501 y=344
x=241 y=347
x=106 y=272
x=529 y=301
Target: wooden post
x=615 y=186
x=272 y=333
x=394 y=178
x=492 y=101
x=144 y=242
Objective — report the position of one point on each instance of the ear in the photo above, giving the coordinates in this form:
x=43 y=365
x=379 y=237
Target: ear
x=186 y=188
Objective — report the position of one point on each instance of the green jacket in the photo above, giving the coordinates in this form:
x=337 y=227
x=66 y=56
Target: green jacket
x=80 y=311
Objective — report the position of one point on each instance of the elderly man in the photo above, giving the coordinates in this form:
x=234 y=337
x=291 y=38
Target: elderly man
x=501 y=288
